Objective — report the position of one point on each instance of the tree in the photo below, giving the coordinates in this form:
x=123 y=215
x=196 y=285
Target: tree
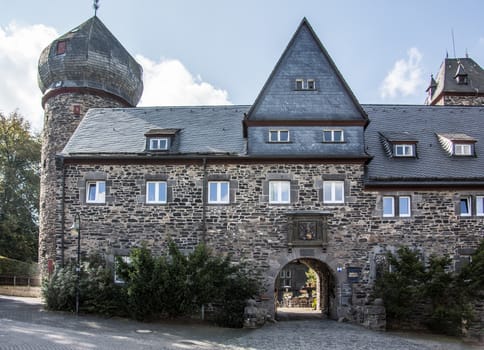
x=19 y=188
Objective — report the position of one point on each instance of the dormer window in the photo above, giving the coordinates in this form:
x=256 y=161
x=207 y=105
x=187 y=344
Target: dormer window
x=279 y=136
x=399 y=144
x=305 y=84
x=461 y=149
x=160 y=139
x=158 y=144
x=404 y=150
x=459 y=145
x=333 y=135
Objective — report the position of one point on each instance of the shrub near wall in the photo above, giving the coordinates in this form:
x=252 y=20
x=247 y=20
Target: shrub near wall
x=170 y=286
x=176 y=285
x=431 y=295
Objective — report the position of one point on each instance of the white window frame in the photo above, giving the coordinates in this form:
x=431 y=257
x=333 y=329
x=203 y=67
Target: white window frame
x=155 y=143
x=310 y=82
x=332 y=133
x=462 y=149
x=479 y=205
x=158 y=185
x=299 y=84
x=408 y=207
x=277 y=134
x=276 y=191
x=126 y=259
x=218 y=192
x=403 y=150
x=330 y=192
x=469 y=206
x=391 y=201
x=99 y=195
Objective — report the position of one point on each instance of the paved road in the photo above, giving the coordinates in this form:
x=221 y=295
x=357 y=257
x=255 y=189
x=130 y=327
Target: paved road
x=25 y=325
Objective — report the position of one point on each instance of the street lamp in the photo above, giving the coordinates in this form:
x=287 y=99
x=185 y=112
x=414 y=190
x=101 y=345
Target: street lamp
x=76 y=229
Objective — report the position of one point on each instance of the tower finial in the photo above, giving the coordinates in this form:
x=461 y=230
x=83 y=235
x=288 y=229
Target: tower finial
x=95 y=5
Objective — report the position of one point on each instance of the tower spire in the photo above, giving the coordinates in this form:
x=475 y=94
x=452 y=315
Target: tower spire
x=95 y=5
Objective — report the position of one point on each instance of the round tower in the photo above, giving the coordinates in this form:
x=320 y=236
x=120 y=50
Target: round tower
x=84 y=68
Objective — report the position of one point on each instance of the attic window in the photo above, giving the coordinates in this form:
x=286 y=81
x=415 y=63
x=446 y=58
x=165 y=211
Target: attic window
x=158 y=143
x=308 y=84
x=278 y=135
x=399 y=144
x=333 y=135
x=61 y=47
x=459 y=145
x=404 y=150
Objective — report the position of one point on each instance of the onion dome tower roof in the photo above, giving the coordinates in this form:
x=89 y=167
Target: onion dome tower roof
x=90 y=57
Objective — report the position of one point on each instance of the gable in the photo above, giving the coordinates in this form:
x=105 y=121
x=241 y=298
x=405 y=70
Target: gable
x=282 y=97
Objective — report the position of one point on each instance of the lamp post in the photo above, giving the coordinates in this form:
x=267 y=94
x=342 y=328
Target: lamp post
x=76 y=229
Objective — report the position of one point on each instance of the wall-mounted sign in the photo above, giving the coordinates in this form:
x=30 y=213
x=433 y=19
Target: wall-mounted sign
x=354 y=274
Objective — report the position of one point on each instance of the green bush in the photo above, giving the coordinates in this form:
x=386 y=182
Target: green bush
x=442 y=297
x=177 y=285
x=98 y=294
x=18 y=268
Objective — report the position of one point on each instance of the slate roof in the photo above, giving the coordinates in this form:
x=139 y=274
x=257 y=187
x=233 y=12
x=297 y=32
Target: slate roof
x=121 y=131
x=432 y=163
x=446 y=82
x=93 y=59
x=306 y=58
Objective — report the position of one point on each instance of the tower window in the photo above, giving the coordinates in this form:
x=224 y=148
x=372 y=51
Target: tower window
x=308 y=84
x=61 y=47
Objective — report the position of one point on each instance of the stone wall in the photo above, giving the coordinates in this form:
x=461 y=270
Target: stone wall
x=254 y=231
x=449 y=100
x=60 y=120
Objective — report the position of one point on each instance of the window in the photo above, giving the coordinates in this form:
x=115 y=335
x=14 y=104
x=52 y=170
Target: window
x=333 y=192
x=309 y=84
x=96 y=192
x=465 y=206
x=156 y=192
x=388 y=206
x=279 y=192
x=218 y=192
x=396 y=206
x=404 y=206
x=279 y=136
x=61 y=47
x=158 y=144
x=462 y=149
x=480 y=205
x=403 y=150
x=127 y=260
x=333 y=136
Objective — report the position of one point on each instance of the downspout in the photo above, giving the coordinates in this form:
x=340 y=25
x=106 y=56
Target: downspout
x=204 y=202
x=63 y=214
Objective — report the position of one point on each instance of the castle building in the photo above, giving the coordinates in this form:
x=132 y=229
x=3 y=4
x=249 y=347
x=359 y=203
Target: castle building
x=306 y=173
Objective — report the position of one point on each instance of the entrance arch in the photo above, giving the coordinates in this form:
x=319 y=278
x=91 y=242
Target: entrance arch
x=296 y=293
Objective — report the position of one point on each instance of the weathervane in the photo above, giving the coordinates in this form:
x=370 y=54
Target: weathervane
x=96 y=6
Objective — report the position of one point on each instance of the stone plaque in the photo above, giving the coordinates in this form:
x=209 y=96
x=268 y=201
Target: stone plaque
x=345 y=294
x=307 y=252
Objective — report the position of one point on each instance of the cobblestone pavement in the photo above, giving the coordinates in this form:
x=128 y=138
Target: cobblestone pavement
x=25 y=325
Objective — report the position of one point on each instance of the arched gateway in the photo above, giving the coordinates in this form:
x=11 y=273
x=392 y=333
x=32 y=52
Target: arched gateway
x=328 y=291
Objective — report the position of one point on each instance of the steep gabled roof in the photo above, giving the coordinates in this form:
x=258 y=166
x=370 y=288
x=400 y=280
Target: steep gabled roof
x=306 y=58
x=448 y=84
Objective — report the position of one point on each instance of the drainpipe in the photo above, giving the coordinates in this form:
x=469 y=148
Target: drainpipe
x=63 y=214
x=204 y=202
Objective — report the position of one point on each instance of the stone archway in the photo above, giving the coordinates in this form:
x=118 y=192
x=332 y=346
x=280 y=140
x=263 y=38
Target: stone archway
x=294 y=297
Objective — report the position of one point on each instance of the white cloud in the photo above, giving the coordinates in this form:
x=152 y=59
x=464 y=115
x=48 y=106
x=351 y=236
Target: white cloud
x=169 y=83
x=405 y=78
x=20 y=48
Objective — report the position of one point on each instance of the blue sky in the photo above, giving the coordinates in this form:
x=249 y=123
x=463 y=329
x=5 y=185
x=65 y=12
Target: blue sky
x=222 y=51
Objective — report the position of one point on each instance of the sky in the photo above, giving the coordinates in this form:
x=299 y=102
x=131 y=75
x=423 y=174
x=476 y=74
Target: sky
x=196 y=52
